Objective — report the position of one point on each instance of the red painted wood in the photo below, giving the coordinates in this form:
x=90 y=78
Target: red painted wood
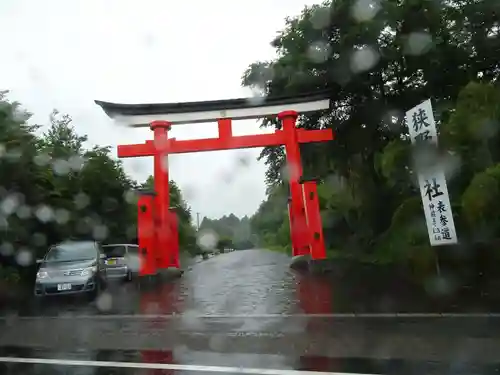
x=314 y=222
x=146 y=235
x=217 y=144
x=164 y=243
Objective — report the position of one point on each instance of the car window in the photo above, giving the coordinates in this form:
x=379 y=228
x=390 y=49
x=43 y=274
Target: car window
x=133 y=250
x=114 y=251
x=71 y=251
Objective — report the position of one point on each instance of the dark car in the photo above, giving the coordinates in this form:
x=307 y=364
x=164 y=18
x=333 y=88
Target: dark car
x=71 y=267
x=122 y=261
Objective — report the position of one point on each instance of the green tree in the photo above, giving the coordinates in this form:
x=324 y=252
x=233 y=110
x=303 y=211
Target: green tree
x=231 y=231
x=53 y=188
x=377 y=62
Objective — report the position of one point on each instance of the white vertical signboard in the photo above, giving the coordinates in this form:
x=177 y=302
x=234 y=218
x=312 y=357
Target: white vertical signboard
x=432 y=182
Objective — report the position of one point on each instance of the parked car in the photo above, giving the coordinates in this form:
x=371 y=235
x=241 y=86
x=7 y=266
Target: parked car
x=122 y=261
x=71 y=267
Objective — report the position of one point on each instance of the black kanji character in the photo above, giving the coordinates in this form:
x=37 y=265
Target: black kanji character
x=419 y=120
x=446 y=233
x=444 y=220
x=432 y=191
x=435 y=230
x=441 y=207
x=437 y=237
x=423 y=137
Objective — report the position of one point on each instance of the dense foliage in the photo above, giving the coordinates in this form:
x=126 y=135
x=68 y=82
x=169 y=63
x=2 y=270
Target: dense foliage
x=231 y=231
x=378 y=59
x=53 y=189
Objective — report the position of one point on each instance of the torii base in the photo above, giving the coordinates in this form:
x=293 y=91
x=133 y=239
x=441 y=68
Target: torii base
x=158 y=242
x=300 y=262
x=312 y=236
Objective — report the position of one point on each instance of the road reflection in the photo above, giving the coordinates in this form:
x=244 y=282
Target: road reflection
x=162 y=299
x=257 y=313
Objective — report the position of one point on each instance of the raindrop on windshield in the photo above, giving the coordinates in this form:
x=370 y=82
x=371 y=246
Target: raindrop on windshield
x=365 y=10
x=44 y=213
x=24 y=257
x=207 y=239
x=6 y=249
x=364 y=59
x=60 y=167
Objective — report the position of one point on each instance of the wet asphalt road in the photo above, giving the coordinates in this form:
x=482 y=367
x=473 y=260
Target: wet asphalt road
x=242 y=310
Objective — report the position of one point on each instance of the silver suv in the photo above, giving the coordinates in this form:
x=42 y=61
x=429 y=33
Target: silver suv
x=122 y=261
x=71 y=267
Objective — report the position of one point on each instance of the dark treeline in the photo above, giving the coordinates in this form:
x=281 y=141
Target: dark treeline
x=231 y=231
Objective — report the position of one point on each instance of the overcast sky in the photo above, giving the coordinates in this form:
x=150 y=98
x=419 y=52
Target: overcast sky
x=65 y=53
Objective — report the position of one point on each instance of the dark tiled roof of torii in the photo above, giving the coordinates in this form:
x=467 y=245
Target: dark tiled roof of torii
x=211 y=105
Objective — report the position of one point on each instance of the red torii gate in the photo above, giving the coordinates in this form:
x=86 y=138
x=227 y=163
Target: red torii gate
x=157 y=221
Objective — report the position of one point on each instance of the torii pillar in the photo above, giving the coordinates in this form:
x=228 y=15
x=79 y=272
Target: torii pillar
x=165 y=222
x=298 y=221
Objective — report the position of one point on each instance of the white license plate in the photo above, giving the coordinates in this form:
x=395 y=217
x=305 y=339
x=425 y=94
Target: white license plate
x=62 y=287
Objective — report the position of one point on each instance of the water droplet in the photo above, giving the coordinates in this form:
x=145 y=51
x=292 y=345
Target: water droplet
x=44 y=213
x=207 y=239
x=23 y=212
x=320 y=18
x=104 y=302
x=24 y=257
x=62 y=215
x=9 y=204
x=100 y=232
x=164 y=163
x=418 y=43
x=365 y=10
x=81 y=201
x=258 y=95
x=364 y=59
x=161 y=142
x=289 y=170
x=41 y=160
x=75 y=162
x=60 y=167
x=6 y=249
x=130 y=196
x=318 y=52
x=190 y=319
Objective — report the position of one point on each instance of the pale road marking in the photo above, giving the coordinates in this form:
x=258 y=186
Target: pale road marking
x=257 y=316
x=165 y=366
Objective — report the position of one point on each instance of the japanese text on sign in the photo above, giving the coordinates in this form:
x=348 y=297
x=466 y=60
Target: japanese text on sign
x=421 y=124
x=432 y=183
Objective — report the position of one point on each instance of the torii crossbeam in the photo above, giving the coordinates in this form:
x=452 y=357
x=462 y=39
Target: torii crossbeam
x=160 y=249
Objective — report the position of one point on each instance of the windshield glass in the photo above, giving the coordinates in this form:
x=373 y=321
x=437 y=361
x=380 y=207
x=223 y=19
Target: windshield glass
x=114 y=251
x=71 y=251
